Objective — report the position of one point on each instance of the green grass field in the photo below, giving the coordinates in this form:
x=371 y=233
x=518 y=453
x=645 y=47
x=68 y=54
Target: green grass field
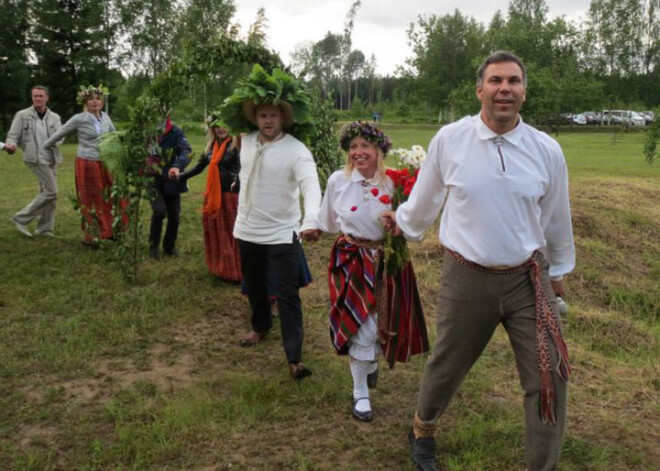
x=96 y=374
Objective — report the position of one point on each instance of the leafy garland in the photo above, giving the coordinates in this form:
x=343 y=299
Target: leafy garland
x=261 y=87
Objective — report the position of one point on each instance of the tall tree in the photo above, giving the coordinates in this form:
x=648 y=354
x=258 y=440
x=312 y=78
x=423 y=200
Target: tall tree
x=346 y=45
x=444 y=48
x=14 y=69
x=150 y=27
x=319 y=62
x=65 y=42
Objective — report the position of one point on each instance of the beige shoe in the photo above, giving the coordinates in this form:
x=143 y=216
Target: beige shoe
x=22 y=228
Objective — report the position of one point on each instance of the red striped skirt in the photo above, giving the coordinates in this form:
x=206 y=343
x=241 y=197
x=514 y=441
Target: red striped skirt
x=353 y=275
x=93 y=183
x=222 y=254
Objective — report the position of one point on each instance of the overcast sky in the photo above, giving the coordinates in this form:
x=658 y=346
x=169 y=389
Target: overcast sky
x=380 y=25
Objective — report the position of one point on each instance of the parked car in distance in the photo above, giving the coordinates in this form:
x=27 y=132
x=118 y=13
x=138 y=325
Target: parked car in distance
x=637 y=119
x=649 y=116
x=592 y=117
x=579 y=119
x=623 y=117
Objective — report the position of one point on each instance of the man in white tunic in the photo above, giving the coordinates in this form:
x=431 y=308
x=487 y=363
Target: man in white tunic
x=506 y=230
x=29 y=129
x=275 y=169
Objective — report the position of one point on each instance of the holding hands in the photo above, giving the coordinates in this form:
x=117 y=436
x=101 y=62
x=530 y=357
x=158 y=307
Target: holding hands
x=173 y=173
x=310 y=235
x=388 y=219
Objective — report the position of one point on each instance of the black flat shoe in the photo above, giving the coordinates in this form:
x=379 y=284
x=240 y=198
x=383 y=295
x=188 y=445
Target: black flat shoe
x=372 y=379
x=365 y=416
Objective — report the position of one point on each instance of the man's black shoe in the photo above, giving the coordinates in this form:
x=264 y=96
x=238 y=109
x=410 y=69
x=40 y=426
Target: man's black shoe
x=153 y=253
x=173 y=254
x=423 y=452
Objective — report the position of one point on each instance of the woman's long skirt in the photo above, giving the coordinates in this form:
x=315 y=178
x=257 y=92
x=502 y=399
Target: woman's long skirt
x=222 y=255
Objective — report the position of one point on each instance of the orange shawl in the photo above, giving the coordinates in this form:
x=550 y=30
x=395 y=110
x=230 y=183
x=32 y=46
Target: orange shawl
x=213 y=193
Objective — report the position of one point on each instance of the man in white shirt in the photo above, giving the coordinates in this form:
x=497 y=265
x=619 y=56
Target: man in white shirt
x=29 y=129
x=504 y=187
x=275 y=168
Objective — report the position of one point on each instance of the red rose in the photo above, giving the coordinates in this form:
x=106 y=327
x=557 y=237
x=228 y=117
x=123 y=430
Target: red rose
x=374 y=191
x=353 y=208
x=409 y=186
x=394 y=175
x=385 y=199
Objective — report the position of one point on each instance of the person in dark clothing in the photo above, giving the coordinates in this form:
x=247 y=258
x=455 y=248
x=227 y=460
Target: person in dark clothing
x=173 y=155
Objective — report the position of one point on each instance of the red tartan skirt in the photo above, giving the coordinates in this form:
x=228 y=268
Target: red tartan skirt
x=93 y=182
x=221 y=249
x=352 y=277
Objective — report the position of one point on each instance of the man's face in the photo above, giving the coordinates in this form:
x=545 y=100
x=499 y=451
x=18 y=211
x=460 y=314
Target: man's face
x=269 y=121
x=502 y=95
x=39 y=98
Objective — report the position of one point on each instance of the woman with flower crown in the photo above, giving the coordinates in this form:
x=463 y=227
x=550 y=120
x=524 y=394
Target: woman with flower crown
x=93 y=181
x=371 y=310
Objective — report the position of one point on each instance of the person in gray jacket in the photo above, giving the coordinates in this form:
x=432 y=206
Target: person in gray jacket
x=29 y=129
x=93 y=181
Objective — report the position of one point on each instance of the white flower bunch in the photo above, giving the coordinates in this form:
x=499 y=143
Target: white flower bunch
x=412 y=157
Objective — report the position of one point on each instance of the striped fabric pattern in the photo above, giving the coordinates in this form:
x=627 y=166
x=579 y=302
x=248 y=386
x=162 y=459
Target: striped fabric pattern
x=93 y=183
x=352 y=284
x=221 y=249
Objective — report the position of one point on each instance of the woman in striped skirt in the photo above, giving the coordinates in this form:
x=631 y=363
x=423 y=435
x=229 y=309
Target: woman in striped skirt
x=371 y=312
x=93 y=181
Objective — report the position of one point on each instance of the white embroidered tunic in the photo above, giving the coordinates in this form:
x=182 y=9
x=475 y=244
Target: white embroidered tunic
x=286 y=168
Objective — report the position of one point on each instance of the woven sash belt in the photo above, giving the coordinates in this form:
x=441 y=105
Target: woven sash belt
x=548 y=330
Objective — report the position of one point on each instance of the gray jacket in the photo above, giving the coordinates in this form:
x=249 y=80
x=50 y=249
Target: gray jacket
x=23 y=133
x=88 y=138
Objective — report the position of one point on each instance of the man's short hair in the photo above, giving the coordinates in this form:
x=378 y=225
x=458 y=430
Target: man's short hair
x=39 y=87
x=496 y=58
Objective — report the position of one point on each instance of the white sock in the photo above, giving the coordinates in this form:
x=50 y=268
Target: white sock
x=359 y=370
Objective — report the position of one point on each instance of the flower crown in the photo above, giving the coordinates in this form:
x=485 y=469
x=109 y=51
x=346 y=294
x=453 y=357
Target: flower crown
x=85 y=93
x=215 y=119
x=366 y=131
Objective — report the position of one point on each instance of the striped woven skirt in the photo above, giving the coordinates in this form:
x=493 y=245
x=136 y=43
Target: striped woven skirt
x=222 y=254
x=93 y=183
x=353 y=275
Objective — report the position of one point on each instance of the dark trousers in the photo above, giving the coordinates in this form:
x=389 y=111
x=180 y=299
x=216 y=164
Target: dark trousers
x=472 y=304
x=165 y=206
x=283 y=261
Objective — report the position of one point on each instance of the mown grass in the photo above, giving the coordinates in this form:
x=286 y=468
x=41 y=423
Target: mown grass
x=97 y=374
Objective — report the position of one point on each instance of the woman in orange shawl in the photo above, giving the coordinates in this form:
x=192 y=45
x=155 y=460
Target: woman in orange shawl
x=220 y=200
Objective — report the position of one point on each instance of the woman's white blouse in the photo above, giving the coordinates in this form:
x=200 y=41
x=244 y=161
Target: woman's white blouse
x=353 y=204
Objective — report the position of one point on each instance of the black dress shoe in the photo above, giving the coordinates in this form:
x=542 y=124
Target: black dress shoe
x=173 y=253
x=372 y=379
x=153 y=253
x=360 y=415
x=423 y=452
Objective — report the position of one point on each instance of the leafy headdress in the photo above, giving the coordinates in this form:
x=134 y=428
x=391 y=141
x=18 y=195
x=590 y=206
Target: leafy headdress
x=278 y=89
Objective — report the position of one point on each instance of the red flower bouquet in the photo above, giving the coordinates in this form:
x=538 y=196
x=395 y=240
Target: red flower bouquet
x=404 y=177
